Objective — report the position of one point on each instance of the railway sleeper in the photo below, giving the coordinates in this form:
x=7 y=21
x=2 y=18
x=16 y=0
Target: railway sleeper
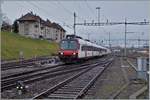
x=77 y=83
x=77 y=88
x=72 y=86
x=72 y=89
x=65 y=92
x=62 y=96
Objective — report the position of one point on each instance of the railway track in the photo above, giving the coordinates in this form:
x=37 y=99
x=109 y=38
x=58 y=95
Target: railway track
x=24 y=63
x=31 y=71
x=9 y=82
x=32 y=76
x=75 y=86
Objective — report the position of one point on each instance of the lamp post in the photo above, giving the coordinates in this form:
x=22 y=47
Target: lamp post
x=98 y=8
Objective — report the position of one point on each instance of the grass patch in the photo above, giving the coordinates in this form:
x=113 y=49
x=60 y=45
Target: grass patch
x=12 y=44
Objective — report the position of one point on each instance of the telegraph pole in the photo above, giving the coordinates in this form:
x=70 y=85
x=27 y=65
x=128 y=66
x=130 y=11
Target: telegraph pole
x=98 y=8
x=109 y=40
x=125 y=42
x=88 y=36
x=74 y=25
x=1 y=14
x=138 y=42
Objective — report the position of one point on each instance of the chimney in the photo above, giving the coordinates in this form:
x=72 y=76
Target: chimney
x=31 y=12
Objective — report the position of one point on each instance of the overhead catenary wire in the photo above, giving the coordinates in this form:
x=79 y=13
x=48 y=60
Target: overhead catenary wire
x=67 y=10
x=47 y=13
x=89 y=7
x=39 y=8
x=78 y=6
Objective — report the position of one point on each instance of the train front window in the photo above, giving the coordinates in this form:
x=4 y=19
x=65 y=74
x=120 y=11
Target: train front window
x=68 y=45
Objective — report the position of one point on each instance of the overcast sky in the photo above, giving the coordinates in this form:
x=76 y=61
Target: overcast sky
x=62 y=13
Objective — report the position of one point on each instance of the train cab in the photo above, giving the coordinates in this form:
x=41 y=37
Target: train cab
x=69 y=49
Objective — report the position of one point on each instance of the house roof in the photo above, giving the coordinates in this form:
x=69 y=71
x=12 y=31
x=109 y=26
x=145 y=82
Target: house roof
x=29 y=17
x=48 y=23
x=57 y=26
x=33 y=17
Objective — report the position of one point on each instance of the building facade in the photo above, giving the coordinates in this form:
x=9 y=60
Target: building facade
x=6 y=27
x=31 y=25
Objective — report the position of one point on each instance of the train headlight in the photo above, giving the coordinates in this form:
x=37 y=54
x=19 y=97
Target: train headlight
x=74 y=53
x=61 y=53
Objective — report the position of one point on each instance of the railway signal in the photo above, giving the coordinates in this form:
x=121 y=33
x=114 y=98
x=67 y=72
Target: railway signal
x=21 y=87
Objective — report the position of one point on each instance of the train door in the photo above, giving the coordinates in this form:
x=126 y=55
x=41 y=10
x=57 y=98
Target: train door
x=86 y=53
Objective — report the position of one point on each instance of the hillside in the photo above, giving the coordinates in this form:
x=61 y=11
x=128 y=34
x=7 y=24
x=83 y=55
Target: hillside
x=12 y=44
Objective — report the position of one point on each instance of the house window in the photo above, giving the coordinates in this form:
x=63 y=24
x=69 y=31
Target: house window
x=40 y=37
x=42 y=28
x=36 y=26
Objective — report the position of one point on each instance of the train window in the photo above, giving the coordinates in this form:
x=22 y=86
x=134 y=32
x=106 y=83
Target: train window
x=103 y=50
x=91 y=48
x=69 y=45
x=95 y=49
x=87 y=48
x=83 y=48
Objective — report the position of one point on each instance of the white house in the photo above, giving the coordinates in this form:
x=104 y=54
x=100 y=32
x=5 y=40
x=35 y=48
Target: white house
x=33 y=26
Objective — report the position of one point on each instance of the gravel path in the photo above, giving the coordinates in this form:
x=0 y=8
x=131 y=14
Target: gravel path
x=108 y=83
x=112 y=80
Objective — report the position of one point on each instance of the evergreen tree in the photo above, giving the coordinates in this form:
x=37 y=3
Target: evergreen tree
x=15 y=27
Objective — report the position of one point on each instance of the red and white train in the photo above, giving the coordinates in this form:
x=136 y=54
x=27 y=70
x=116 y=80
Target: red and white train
x=75 y=48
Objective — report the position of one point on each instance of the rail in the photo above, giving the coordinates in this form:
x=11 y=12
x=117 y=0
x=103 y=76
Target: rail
x=77 y=78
